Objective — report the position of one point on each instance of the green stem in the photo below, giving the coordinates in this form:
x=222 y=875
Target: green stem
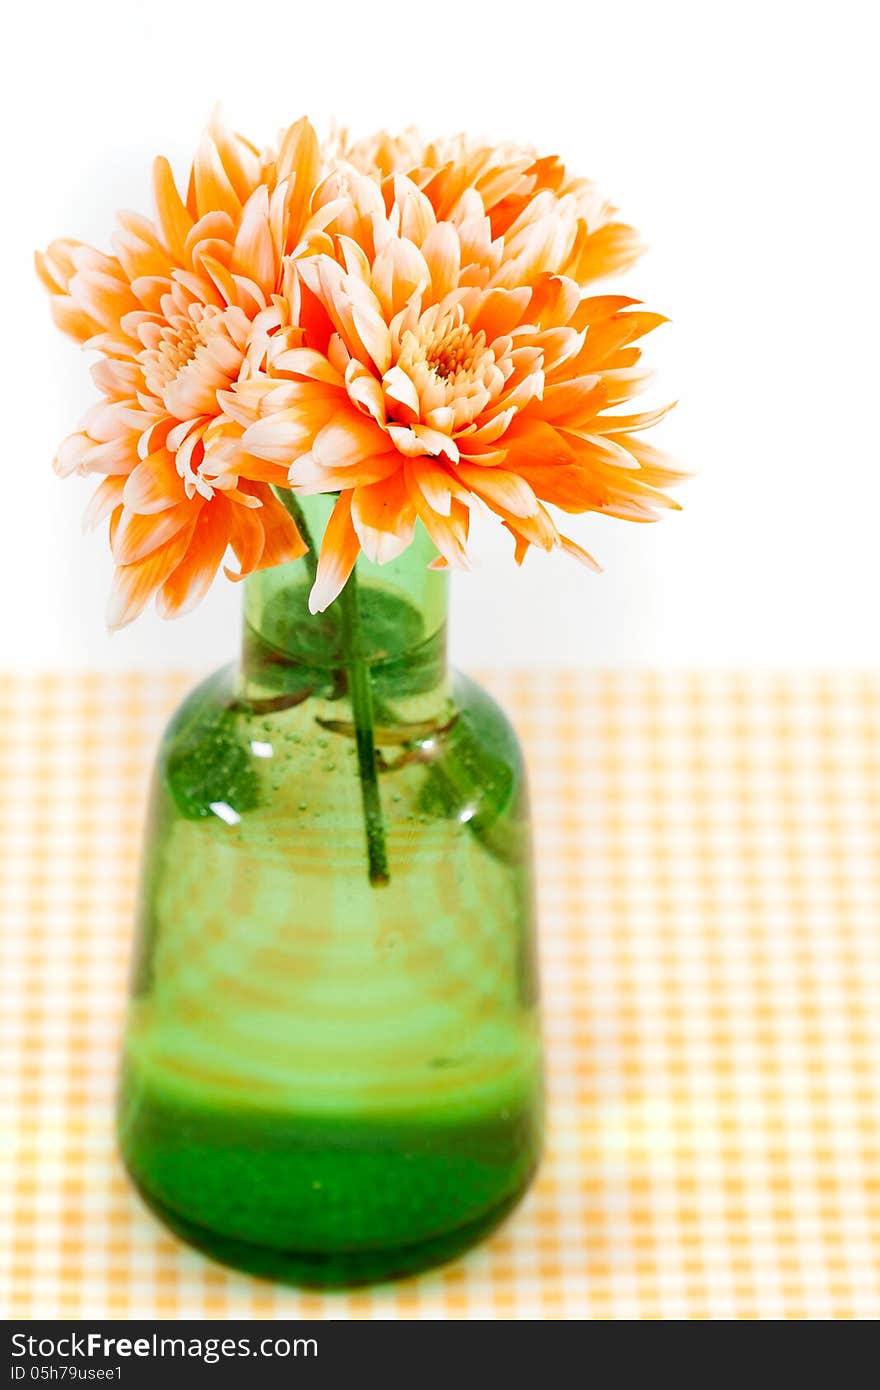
x=361 y=694
x=290 y=503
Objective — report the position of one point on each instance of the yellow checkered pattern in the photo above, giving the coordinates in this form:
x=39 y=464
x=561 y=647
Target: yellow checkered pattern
x=709 y=864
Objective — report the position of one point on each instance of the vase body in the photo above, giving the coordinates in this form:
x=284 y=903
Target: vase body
x=326 y=1079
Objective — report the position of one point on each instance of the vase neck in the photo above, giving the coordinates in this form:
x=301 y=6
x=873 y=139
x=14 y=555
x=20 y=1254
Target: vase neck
x=402 y=611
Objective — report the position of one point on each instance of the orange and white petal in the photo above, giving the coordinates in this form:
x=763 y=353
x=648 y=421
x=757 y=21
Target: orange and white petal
x=441 y=251
x=306 y=362
x=175 y=221
x=299 y=158
x=539 y=530
x=70 y=454
x=365 y=391
x=416 y=215
x=109 y=456
x=399 y=388
x=598 y=307
x=399 y=272
x=139 y=251
x=137 y=535
x=610 y=248
x=192 y=577
x=577 y=400
x=240 y=159
x=578 y=553
x=282 y=437
x=211 y=188
x=449 y=530
x=656 y=467
x=521 y=546
x=106 y=298
x=106 y=498
x=384 y=517
x=118 y=380
x=339 y=552
x=246 y=539
x=253 y=253
x=135 y=584
x=282 y=541
x=626 y=424
x=56 y=266
x=309 y=478
x=437 y=483
x=347 y=439
x=500 y=489
x=154 y=485
x=499 y=312
x=554 y=300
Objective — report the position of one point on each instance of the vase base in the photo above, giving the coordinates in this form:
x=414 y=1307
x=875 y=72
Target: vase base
x=336 y=1269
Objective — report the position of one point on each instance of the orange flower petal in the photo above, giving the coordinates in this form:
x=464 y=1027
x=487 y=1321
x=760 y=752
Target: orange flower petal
x=612 y=247
x=500 y=489
x=448 y=532
x=578 y=553
x=282 y=541
x=137 y=535
x=348 y=439
x=174 y=219
x=246 y=538
x=339 y=551
x=154 y=485
x=384 y=518
x=191 y=578
x=105 y=499
x=71 y=319
x=240 y=159
x=253 y=253
x=441 y=251
x=299 y=156
x=134 y=585
x=211 y=188
x=280 y=438
x=308 y=478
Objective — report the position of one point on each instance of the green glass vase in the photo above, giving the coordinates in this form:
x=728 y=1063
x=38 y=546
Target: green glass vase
x=332 y=1059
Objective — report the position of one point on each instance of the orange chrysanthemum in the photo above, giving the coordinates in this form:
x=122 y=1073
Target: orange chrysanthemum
x=404 y=324
x=439 y=351
x=507 y=177
x=173 y=314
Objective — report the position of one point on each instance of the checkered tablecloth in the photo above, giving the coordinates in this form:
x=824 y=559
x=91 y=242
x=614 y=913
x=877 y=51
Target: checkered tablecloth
x=709 y=864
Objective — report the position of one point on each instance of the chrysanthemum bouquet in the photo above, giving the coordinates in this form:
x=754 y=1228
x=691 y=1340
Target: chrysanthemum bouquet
x=322 y=1082
x=401 y=324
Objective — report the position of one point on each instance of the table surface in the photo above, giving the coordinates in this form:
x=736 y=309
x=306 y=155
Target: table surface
x=708 y=851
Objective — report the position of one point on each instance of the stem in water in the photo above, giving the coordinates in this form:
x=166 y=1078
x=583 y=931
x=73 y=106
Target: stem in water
x=290 y=503
x=361 y=695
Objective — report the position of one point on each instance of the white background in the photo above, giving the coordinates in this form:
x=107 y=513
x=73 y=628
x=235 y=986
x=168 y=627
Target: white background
x=741 y=140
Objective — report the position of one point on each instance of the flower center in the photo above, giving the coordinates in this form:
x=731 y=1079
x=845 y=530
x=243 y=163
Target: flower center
x=196 y=354
x=176 y=349
x=453 y=371
x=454 y=355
